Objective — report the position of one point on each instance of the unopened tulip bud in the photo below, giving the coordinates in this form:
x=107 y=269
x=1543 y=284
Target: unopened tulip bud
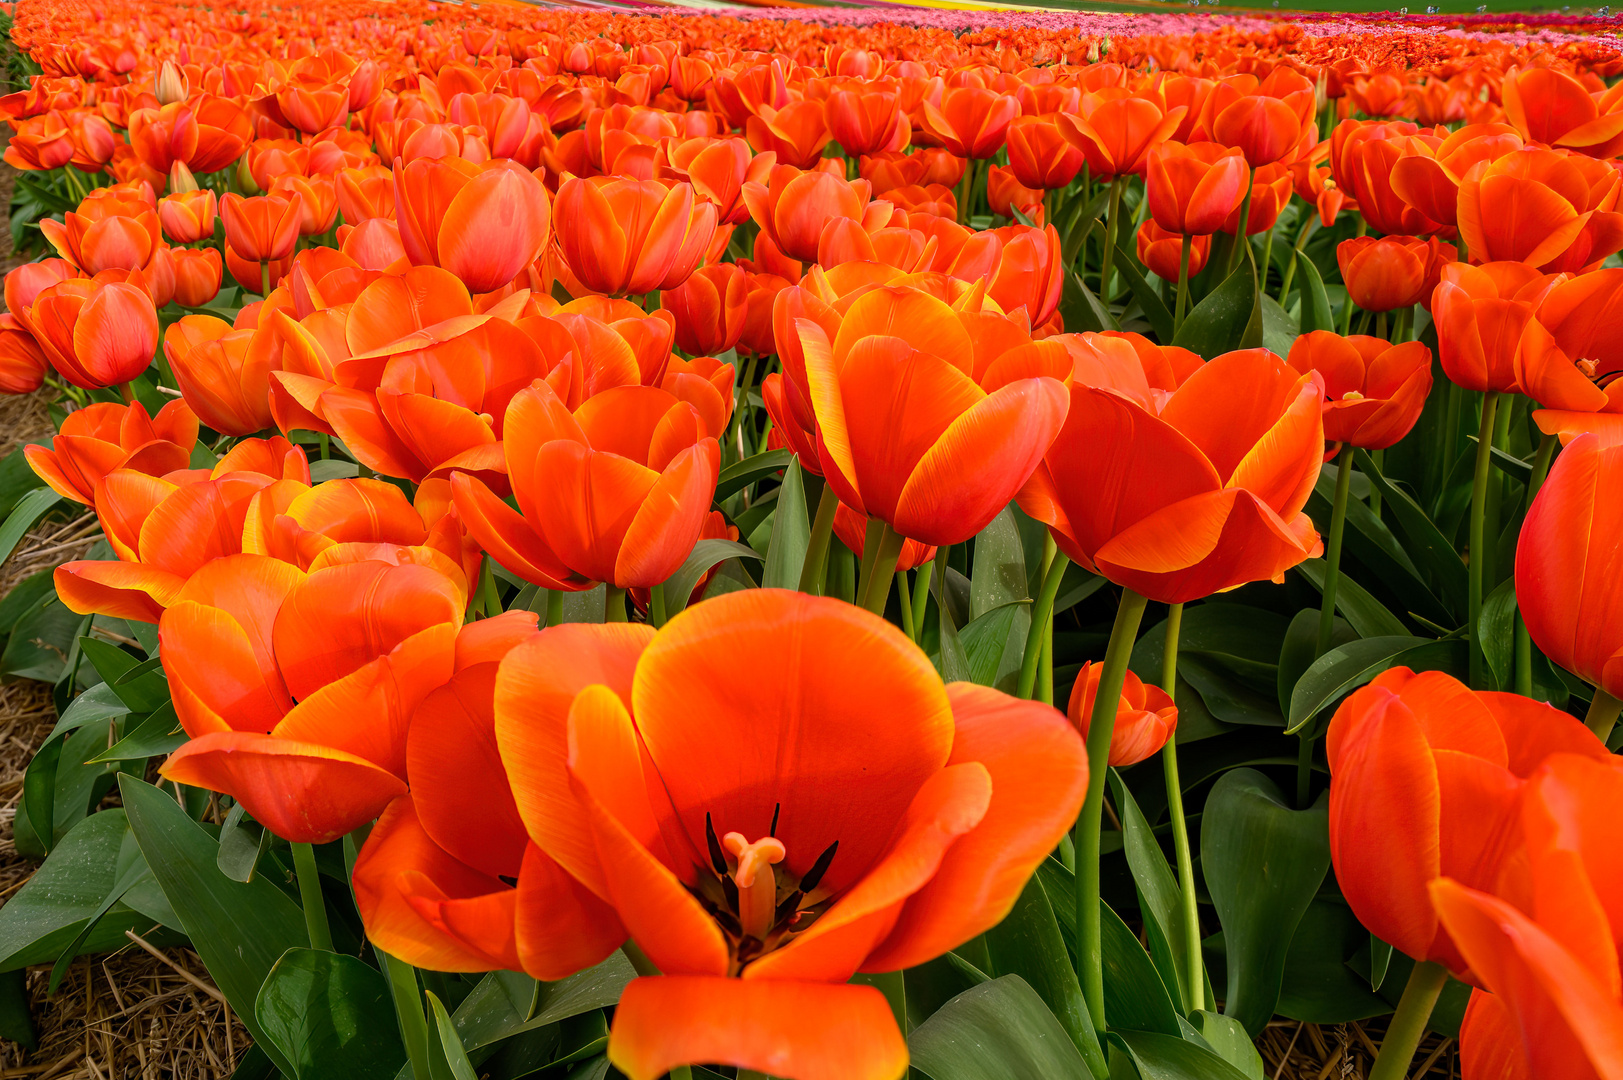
x=245 y=178
x=181 y=178
x=171 y=84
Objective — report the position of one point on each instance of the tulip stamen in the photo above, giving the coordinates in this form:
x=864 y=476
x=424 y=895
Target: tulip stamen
x=1588 y=367
x=756 y=882
x=1352 y=395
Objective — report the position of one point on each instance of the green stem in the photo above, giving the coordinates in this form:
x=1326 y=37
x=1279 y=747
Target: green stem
x=1602 y=715
x=264 y=280
x=1045 y=662
x=1379 y=458
x=1040 y=616
x=921 y=591
x=1478 y=549
x=1089 y=925
x=408 y=1007
x=874 y=590
x=1524 y=658
x=1541 y=466
x=822 y=531
x=1267 y=263
x=1105 y=291
x=1380 y=325
x=315 y=908
x=741 y=404
x=656 y=606
x=1240 y=237
x=1183 y=283
x=1408 y=1025
x=1327 y=612
x=908 y=626
x=614 y=605
x=493 y=598
x=1296 y=249
x=894 y=987
x=555 y=607
x=962 y=194
x=1180 y=827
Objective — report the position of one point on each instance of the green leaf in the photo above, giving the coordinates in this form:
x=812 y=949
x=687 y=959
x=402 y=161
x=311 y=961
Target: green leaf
x=16 y=1022
x=951 y=660
x=41 y=641
x=17 y=477
x=791 y=533
x=999 y=1030
x=25 y=596
x=1164 y=1057
x=706 y=553
x=1000 y=566
x=240 y=929
x=499 y=1007
x=242 y=845
x=1222 y=321
x=1155 y=310
x=62 y=782
x=1342 y=670
x=48 y=912
x=739 y=475
x=1228 y=1037
x=1496 y=631
x=157 y=734
x=128 y=877
x=29 y=509
x=1425 y=539
x=1319 y=987
x=1027 y=943
x=330 y=1016
x=586 y=606
x=1158 y=896
x=1263 y=863
x=1367 y=615
x=1315 y=303
x=446 y=1055
x=1081 y=310
x=994 y=644
x=1278 y=328
x=1136 y=998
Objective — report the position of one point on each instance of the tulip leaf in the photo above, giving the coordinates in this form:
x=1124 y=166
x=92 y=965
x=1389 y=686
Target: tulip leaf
x=1263 y=863
x=1315 y=302
x=741 y=474
x=1365 y=614
x=1136 y=997
x=1154 y=308
x=1496 y=632
x=157 y=734
x=1226 y=318
x=331 y=1016
x=706 y=553
x=1159 y=898
x=17 y=477
x=447 y=1059
x=1344 y=669
x=1278 y=328
x=1164 y=1057
x=994 y=645
x=1228 y=1037
x=1081 y=309
x=242 y=845
x=1000 y=566
x=951 y=659
x=999 y=1030
x=1027 y=943
x=791 y=533
x=1320 y=986
x=29 y=509
x=506 y=1003
x=1423 y=535
x=214 y=909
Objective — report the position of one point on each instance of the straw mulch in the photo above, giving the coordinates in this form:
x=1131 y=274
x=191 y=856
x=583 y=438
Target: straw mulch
x=1292 y=1050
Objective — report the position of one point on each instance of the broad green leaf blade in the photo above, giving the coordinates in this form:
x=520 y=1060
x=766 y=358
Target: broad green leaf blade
x=1081 y=309
x=999 y=1030
x=1162 y=1057
x=158 y=734
x=1496 y=631
x=1263 y=863
x=215 y=909
x=330 y=1016
x=791 y=533
x=1315 y=303
x=16 y=1023
x=1343 y=670
x=29 y=509
x=995 y=644
x=1363 y=612
x=1158 y=894
x=706 y=553
x=1155 y=310
x=739 y=475
x=444 y=1046
x=1135 y=997
x=242 y=845
x=1000 y=566
x=951 y=660
x=499 y=1007
x=1319 y=986
x=1278 y=328
x=17 y=477
x=1228 y=1037
x=1426 y=541
x=1220 y=322
x=1027 y=943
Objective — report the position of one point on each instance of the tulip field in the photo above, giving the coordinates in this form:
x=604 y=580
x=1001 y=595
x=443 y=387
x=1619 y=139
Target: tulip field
x=589 y=540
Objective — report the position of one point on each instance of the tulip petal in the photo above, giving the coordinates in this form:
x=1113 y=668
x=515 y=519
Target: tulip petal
x=118 y=590
x=670 y=519
x=562 y=926
x=507 y=536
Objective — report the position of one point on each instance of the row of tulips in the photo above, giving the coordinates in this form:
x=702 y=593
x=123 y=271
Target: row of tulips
x=438 y=378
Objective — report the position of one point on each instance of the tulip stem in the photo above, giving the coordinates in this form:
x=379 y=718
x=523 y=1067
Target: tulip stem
x=126 y=392
x=555 y=607
x=1332 y=555
x=1045 y=662
x=1603 y=713
x=742 y=407
x=1089 y=925
x=921 y=592
x=614 y=605
x=315 y=908
x=1408 y=1024
x=1041 y=614
x=822 y=533
x=1524 y=642
x=1378 y=457
x=1183 y=284
x=1180 y=828
x=1240 y=237
x=493 y=599
x=408 y=1007
x=873 y=592
x=1477 y=553
x=902 y=590
x=1296 y=249
x=962 y=195
x=656 y=606
x=264 y=280
x=1105 y=265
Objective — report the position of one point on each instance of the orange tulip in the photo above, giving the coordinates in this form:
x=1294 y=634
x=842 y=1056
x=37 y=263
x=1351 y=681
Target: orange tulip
x=632 y=236
x=1545 y=941
x=221 y=375
x=971 y=121
x=1424 y=780
x=1566 y=590
x=972 y=785
x=865 y=120
x=109 y=234
x=22 y=364
x=1271 y=121
x=796 y=133
x=40 y=143
x=197 y=275
x=1569 y=355
x=762 y=293
x=96 y=332
x=718 y=169
x=1481 y=312
x=1117 y=132
x=1145 y=716
x=297 y=689
x=936 y=464
x=1229 y=457
x=1271 y=189
x=1162 y=251
x=24 y=284
x=1364 y=156
x=262 y=228
x=1549 y=106
x=1040 y=156
x=1193 y=189
x=709 y=309
x=318 y=201
x=617 y=491
x=1166 y=367
x=1029 y=272
x=852 y=529
x=1391 y=272
x=705 y=383
x=1005 y=193
x=188 y=216
x=1373 y=390
x=1542 y=207
x=794 y=208
x=1428 y=177
x=207 y=133
x=102 y=437
x=366 y=192
x=484 y=224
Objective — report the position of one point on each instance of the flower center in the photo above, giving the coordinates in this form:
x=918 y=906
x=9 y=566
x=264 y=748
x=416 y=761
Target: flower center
x=1352 y=395
x=757 y=884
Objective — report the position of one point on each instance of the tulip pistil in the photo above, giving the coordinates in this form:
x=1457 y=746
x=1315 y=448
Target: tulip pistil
x=761 y=904
x=757 y=884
